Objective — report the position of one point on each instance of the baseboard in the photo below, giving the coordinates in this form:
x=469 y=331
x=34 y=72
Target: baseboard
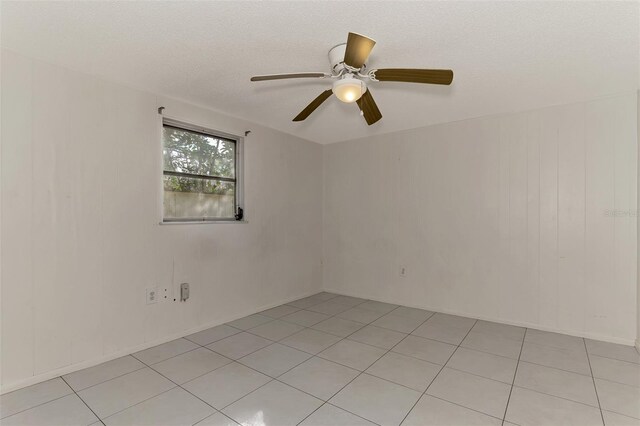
x=93 y=362
x=621 y=341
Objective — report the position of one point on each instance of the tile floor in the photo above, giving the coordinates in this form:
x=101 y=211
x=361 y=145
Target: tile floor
x=337 y=360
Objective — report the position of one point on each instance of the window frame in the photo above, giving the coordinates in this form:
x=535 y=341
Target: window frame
x=238 y=164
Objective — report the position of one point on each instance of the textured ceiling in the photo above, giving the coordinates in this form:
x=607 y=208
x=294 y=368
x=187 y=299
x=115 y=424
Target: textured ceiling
x=507 y=56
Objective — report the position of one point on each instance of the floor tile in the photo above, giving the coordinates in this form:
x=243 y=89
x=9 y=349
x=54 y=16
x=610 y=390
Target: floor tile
x=275 y=359
x=615 y=419
x=484 y=364
x=551 y=381
x=329 y=308
x=425 y=349
x=348 y=300
x=330 y=415
x=398 y=323
x=415 y=313
x=102 y=372
x=319 y=377
x=556 y=340
x=227 y=384
x=212 y=334
x=381 y=307
x=613 y=350
x=549 y=356
x=31 y=396
x=310 y=341
x=478 y=393
x=117 y=394
x=619 y=398
x=217 y=419
x=276 y=330
x=430 y=411
x=352 y=354
x=615 y=370
x=377 y=400
x=279 y=311
x=305 y=318
x=442 y=332
x=377 y=336
x=527 y=407
x=273 y=404
x=325 y=296
x=338 y=326
x=174 y=407
x=250 y=321
x=502 y=330
x=239 y=345
x=188 y=366
x=452 y=320
x=67 y=411
x=305 y=303
x=364 y=316
x=493 y=344
x=165 y=351
x=405 y=370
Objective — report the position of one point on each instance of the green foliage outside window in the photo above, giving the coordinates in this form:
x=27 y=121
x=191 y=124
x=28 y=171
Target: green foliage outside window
x=198 y=154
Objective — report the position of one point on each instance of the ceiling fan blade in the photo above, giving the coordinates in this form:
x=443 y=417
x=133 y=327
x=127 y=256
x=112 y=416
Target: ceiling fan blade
x=358 y=49
x=369 y=108
x=313 y=105
x=414 y=75
x=290 y=75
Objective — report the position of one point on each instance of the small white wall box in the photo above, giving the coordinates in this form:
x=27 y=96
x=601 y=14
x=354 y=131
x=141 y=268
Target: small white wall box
x=184 y=292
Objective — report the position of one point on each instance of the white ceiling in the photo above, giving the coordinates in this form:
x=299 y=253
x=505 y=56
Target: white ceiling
x=507 y=56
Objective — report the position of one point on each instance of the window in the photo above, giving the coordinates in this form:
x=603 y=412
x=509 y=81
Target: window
x=200 y=174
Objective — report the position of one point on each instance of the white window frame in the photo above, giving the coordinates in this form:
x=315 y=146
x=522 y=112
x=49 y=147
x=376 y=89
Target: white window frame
x=239 y=172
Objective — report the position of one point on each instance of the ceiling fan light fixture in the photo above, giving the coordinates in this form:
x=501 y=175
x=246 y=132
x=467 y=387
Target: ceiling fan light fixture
x=349 y=89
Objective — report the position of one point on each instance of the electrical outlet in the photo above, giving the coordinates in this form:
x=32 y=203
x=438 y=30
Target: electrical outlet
x=152 y=295
x=402 y=271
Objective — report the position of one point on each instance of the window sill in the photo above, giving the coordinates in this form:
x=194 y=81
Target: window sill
x=203 y=222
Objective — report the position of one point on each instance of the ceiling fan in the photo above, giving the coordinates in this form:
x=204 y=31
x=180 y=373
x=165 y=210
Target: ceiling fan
x=349 y=70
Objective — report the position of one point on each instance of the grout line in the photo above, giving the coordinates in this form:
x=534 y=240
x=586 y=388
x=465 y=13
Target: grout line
x=556 y=396
x=145 y=365
x=37 y=405
x=440 y=371
x=554 y=368
x=363 y=372
x=557 y=348
x=615 y=359
x=138 y=403
x=167 y=359
x=462 y=406
x=83 y=401
x=515 y=373
x=112 y=378
x=362 y=325
x=594 y=381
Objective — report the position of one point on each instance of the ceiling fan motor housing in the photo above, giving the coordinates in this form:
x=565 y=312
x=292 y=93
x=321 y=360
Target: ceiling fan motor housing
x=336 y=57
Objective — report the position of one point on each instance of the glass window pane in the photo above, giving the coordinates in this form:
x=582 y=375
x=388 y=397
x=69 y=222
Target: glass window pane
x=195 y=198
x=189 y=152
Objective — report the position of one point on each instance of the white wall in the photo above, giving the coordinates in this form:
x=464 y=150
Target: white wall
x=502 y=218
x=638 y=228
x=81 y=241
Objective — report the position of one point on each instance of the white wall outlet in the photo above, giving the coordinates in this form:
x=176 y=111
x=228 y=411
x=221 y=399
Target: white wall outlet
x=402 y=271
x=152 y=295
